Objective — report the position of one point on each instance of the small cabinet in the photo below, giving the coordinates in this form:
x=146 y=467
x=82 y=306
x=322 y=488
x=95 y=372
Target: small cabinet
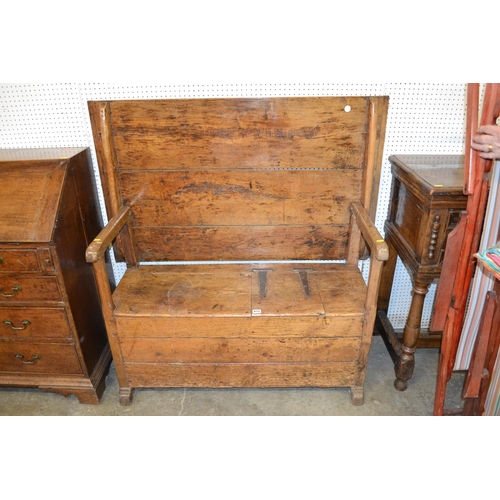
x=426 y=203
x=52 y=332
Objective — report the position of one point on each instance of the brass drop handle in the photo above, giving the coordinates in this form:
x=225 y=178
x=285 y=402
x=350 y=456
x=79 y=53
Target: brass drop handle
x=26 y=322
x=15 y=289
x=1 y=260
x=34 y=359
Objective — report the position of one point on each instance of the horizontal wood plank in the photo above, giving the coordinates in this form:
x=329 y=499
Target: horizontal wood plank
x=237 y=350
x=249 y=133
x=156 y=151
x=250 y=115
x=228 y=197
x=241 y=243
x=243 y=327
x=241 y=375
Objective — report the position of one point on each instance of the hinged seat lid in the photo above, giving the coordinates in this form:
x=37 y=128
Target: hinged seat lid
x=236 y=290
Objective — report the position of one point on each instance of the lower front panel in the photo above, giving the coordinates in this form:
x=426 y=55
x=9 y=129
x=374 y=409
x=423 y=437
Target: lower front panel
x=212 y=375
x=240 y=352
x=234 y=350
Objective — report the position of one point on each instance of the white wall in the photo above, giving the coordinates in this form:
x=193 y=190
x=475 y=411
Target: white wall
x=423 y=118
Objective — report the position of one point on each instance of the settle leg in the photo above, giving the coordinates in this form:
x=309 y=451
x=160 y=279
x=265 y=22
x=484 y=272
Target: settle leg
x=357 y=396
x=125 y=396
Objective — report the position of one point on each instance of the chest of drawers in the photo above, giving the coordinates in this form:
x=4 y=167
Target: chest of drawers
x=52 y=333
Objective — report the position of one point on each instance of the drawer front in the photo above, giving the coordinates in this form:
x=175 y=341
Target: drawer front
x=19 y=261
x=33 y=322
x=26 y=288
x=24 y=357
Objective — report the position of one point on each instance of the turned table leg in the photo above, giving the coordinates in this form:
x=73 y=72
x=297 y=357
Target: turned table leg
x=406 y=362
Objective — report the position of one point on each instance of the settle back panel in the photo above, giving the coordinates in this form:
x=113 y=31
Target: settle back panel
x=239 y=179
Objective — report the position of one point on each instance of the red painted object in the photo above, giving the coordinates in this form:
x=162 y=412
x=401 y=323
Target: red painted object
x=476 y=186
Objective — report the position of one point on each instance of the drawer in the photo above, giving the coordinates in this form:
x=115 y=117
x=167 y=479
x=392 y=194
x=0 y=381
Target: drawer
x=24 y=357
x=33 y=322
x=19 y=261
x=26 y=288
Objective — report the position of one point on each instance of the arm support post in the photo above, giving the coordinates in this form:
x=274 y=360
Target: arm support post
x=379 y=252
x=95 y=252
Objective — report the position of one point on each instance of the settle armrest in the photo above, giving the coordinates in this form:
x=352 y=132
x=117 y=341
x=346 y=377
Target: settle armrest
x=378 y=246
x=96 y=249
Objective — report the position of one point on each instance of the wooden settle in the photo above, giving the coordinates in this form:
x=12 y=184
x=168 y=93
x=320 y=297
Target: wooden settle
x=239 y=196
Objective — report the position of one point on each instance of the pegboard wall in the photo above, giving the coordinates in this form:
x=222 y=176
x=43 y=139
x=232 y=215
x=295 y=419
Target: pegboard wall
x=423 y=118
